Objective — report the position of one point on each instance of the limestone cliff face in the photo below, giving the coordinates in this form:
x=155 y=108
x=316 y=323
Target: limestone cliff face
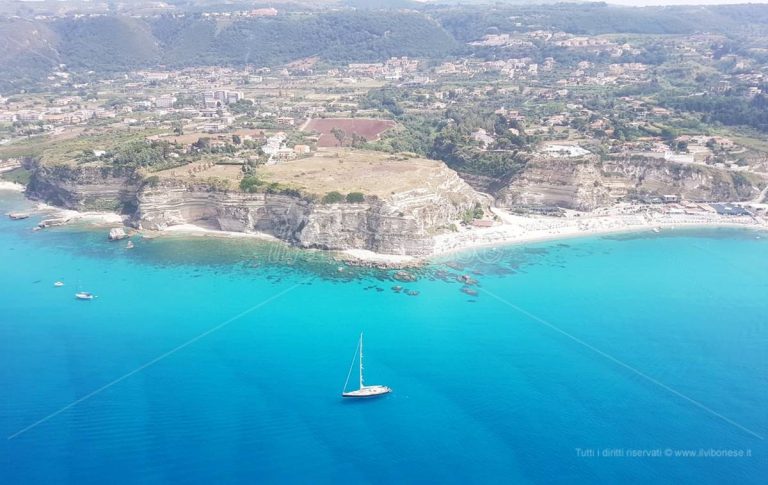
x=401 y=224
x=585 y=184
x=84 y=188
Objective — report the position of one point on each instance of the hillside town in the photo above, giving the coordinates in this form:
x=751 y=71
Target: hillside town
x=545 y=122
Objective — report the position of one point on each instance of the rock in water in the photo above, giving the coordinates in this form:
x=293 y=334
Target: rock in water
x=404 y=276
x=117 y=233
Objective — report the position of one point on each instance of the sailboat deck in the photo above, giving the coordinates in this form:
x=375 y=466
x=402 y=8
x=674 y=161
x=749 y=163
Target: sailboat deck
x=368 y=391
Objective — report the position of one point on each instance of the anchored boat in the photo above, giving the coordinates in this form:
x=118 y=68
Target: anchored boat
x=84 y=295
x=363 y=391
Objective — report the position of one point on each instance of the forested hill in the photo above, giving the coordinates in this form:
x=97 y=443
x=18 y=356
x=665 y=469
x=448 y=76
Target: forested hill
x=124 y=43
x=30 y=48
x=467 y=23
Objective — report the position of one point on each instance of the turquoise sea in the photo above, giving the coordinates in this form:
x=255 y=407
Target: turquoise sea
x=204 y=360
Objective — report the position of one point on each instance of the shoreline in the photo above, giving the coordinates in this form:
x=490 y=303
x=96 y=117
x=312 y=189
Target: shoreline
x=565 y=236
x=513 y=230
x=341 y=255
x=101 y=219
x=11 y=186
x=199 y=231
x=507 y=234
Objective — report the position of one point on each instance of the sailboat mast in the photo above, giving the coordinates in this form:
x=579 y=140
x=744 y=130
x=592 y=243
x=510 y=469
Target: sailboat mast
x=361 y=360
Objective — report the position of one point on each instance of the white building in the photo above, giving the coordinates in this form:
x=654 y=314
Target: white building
x=165 y=101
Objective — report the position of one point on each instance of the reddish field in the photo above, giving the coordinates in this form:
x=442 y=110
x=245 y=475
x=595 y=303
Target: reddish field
x=370 y=129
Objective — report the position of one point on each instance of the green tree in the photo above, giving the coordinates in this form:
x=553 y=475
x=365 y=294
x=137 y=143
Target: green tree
x=152 y=181
x=355 y=197
x=333 y=197
x=241 y=106
x=250 y=184
x=202 y=144
x=339 y=134
x=358 y=141
x=478 y=212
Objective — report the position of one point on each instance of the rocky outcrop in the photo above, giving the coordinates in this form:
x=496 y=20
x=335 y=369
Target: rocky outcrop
x=84 y=187
x=401 y=224
x=587 y=183
x=116 y=234
x=9 y=164
x=485 y=183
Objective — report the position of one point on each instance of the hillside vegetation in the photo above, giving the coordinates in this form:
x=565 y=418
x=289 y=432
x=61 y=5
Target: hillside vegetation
x=114 y=43
x=120 y=43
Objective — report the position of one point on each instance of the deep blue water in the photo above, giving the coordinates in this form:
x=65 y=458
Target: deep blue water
x=205 y=361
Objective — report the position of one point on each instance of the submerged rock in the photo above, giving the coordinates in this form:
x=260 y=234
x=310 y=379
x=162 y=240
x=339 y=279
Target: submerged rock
x=467 y=280
x=404 y=276
x=53 y=222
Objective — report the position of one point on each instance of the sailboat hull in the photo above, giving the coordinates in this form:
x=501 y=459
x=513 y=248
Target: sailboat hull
x=368 y=391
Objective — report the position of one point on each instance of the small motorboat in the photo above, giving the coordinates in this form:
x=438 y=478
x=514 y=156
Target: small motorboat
x=656 y=230
x=84 y=295
x=58 y=284
x=129 y=245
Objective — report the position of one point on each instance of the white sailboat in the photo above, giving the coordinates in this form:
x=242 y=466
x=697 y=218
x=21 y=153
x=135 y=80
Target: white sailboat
x=363 y=391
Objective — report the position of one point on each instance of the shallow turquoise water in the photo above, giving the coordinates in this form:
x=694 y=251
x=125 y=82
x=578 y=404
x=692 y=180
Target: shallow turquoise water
x=202 y=361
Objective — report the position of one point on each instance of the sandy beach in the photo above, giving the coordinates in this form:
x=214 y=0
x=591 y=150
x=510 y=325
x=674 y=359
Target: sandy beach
x=352 y=254
x=95 y=218
x=193 y=230
x=514 y=229
x=370 y=256
x=5 y=185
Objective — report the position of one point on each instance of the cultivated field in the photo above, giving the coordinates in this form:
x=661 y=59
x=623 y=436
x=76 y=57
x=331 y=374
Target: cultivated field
x=189 y=138
x=370 y=129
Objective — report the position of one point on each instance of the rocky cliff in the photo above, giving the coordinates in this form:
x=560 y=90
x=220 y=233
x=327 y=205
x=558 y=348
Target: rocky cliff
x=84 y=188
x=397 y=222
x=401 y=224
x=587 y=183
